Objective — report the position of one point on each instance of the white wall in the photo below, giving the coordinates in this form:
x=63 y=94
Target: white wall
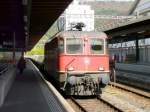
x=76 y=13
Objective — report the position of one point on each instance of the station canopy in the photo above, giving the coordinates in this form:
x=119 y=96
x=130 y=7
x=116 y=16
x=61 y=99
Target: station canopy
x=23 y=22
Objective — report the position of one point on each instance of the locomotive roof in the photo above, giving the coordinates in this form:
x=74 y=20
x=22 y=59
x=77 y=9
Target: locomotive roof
x=81 y=33
x=73 y=34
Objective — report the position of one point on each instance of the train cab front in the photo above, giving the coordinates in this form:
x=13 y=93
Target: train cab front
x=85 y=63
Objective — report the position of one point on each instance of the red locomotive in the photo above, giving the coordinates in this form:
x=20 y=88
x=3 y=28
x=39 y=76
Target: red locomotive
x=78 y=61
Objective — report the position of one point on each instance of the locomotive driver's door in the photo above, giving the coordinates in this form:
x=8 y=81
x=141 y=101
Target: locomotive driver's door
x=86 y=46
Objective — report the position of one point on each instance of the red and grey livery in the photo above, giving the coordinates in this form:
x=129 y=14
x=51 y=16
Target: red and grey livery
x=78 y=61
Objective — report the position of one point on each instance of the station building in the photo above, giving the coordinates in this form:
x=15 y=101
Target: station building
x=77 y=13
x=126 y=51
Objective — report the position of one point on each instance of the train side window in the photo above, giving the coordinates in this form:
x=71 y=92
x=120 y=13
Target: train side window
x=74 y=45
x=61 y=46
x=96 y=46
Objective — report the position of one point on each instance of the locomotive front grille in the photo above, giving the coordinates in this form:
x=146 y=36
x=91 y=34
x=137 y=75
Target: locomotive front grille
x=94 y=77
x=88 y=82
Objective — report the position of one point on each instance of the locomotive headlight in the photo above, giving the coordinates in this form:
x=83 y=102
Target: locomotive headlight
x=70 y=69
x=101 y=69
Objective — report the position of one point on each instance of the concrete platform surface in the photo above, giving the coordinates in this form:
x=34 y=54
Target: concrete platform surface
x=29 y=94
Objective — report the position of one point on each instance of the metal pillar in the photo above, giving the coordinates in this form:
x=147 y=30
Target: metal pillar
x=137 y=49
x=121 y=52
x=22 y=53
x=14 y=48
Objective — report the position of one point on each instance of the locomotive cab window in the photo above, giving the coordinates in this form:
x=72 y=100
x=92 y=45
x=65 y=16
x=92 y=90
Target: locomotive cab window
x=74 y=45
x=96 y=46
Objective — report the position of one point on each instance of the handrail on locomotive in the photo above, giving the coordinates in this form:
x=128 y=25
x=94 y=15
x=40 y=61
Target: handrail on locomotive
x=66 y=72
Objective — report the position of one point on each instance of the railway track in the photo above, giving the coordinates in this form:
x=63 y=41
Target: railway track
x=126 y=98
x=92 y=105
x=115 y=98
x=130 y=89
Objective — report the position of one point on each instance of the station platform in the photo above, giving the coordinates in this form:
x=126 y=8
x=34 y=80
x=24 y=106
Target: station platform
x=137 y=75
x=135 y=67
x=30 y=94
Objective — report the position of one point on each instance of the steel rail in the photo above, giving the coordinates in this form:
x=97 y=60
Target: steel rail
x=130 y=89
x=4 y=68
x=111 y=105
x=82 y=108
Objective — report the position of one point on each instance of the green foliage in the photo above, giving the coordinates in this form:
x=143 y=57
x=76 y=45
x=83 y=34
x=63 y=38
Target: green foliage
x=36 y=51
x=39 y=47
